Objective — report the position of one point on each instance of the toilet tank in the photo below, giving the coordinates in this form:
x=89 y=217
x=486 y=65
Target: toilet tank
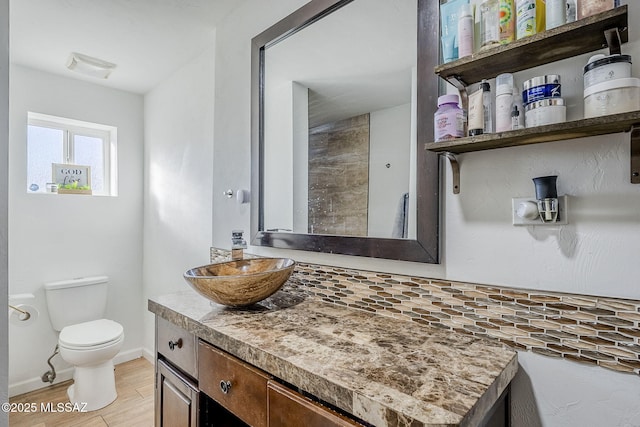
x=76 y=300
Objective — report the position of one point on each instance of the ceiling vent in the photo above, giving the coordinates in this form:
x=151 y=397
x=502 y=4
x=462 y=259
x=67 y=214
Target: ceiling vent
x=90 y=66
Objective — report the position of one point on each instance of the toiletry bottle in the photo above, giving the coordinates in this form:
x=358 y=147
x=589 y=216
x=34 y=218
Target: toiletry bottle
x=489 y=23
x=525 y=18
x=449 y=28
x=593 y=7
x=541 y=13
x=475 y=117
x=556 y=13
x=465 y=31
x=504 y=101
x=448 y=120
x=486 y=107
x=572 y=10
x=515 y=118
x=507 y=21
x=519 y=103
x=477 y=43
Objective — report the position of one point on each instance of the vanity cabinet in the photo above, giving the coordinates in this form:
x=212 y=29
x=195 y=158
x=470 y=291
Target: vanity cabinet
x=198 y=384
x=273 y=372
x=249 y=396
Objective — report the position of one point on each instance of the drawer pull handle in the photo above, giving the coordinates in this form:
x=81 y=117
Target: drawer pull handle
x=174 y=344
x=225 y=386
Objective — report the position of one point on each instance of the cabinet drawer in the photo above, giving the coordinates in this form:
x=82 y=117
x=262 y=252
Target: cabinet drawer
x=177 y=345
x=287 y=408
x=239 y=387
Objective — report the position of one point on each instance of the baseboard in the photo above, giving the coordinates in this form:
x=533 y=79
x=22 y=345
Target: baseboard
x=149 y=355
x=65 y=374
x=36 y=383
x=125 y=356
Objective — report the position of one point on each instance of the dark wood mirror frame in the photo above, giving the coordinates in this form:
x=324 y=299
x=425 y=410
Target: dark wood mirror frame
x=423 y=249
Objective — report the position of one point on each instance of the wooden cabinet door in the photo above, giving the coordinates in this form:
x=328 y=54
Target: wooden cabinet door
x=286 y=408
x=176 y=399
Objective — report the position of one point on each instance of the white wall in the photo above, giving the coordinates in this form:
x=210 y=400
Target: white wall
x=57 y=237
x=300 y=129
x=595 y=254
x=558 y=393
x=280 y=109
x=390 y=143
x=178 y=179
x=4 y=149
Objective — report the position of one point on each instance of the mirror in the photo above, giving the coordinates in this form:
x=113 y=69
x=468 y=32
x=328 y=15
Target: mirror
x=338 y=125
x=344 y=117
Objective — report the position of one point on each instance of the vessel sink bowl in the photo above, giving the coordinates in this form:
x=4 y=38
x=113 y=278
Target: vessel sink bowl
x=242 y=282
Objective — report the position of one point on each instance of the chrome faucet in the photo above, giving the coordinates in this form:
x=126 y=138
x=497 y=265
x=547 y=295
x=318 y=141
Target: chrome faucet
x=238 y=244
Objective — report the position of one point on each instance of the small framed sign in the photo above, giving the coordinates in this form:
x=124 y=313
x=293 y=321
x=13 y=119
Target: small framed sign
x=72 y=179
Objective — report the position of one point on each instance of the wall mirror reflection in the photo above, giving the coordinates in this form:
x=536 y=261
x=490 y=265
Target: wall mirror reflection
x=338 y=104
x=335 y=133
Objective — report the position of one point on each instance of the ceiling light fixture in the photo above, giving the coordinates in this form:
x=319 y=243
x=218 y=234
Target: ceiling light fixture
x=89 y=65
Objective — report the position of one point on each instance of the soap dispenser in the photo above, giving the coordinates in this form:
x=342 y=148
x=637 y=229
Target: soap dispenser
x=238 y=244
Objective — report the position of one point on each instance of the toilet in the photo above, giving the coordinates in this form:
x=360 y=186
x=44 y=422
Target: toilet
x=87 y=340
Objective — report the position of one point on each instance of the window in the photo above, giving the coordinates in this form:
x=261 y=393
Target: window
x=58 y=140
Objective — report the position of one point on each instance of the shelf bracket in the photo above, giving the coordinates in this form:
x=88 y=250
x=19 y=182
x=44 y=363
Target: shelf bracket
x=612 y=36
x=635 y=154
x=458 y=83
x=455 y=169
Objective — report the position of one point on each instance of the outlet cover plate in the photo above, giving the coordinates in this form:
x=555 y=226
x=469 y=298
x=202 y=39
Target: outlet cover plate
x=562 y=212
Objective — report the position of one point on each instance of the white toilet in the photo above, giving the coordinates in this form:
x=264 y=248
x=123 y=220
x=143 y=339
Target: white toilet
x=86 y=340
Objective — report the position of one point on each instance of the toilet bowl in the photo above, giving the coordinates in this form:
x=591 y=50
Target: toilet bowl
x=91 y=347
x=87 y=340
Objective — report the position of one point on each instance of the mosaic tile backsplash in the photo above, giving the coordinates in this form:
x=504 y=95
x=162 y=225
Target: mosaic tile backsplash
x=594 y=330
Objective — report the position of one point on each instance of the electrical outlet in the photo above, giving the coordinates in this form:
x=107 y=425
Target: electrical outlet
x=562 y=212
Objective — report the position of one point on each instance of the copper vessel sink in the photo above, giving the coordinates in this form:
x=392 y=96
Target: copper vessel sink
x=242 y=282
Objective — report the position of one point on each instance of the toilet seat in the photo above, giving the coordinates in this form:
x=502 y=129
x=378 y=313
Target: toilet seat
x=92 y=348
x=91 y=335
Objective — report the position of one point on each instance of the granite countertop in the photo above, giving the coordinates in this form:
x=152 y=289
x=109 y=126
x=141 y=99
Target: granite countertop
x=383 y=370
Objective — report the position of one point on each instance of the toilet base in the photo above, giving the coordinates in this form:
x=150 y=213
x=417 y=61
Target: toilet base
x=94 y=387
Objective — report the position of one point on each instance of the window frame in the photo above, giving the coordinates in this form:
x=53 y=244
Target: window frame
x=72 y=128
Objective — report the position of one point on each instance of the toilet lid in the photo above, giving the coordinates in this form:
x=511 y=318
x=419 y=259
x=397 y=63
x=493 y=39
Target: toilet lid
x=91 y=333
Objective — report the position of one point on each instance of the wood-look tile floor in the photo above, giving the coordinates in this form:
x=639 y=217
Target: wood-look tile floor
x=132 y=408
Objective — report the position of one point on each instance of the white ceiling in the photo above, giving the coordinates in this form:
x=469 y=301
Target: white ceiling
x=147 y=39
